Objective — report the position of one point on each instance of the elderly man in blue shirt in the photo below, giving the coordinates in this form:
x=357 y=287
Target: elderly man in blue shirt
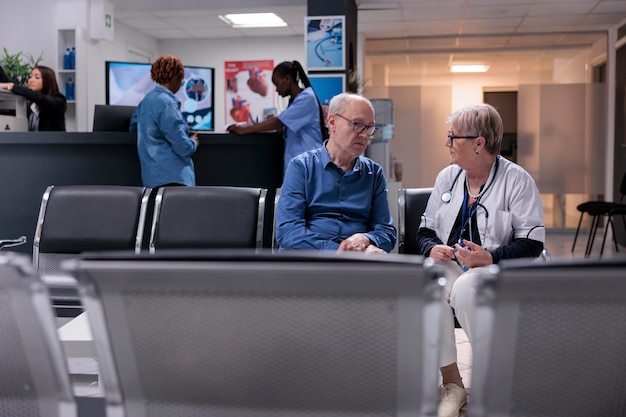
x=333 y=198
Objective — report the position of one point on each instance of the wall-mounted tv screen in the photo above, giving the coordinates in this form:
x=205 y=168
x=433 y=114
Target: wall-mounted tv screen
x=128 y=82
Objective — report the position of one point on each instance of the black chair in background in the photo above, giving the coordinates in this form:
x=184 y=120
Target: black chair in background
x=84 y=218
x=34 y=379
x=208 y=217
x=262 y=334
x=411 y=205
x=619 y=210
x=599 y=210
x=275 y=245
x=549 y=340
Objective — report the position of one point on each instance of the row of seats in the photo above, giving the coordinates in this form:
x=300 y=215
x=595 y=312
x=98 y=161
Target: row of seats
x=95 y=218
x=77 y=219
x=303 y=334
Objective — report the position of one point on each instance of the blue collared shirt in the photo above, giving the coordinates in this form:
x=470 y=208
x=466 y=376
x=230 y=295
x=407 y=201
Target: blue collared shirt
x=320 y=205
x=163 y=140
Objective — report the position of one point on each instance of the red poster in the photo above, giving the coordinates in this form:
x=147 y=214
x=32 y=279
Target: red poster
x=249 y=91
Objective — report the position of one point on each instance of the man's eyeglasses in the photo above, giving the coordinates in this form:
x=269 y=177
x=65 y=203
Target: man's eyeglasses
x=452 y=137
x=359 y=127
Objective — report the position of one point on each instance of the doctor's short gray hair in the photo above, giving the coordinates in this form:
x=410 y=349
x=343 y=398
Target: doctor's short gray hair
x=479 y=120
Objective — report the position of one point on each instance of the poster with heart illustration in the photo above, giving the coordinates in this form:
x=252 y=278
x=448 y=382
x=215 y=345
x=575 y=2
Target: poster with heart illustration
x=249 y=91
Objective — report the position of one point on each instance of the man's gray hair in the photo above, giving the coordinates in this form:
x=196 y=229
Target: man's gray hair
x=339 y=103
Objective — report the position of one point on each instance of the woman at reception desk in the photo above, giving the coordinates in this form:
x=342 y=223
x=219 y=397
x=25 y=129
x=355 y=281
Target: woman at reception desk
x=46 y=111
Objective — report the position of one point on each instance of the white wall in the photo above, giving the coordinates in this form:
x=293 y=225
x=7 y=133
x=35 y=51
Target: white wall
x=420 y=115
x=21 y=29
x=213 y=53
x=31 y=26
x=128 y=44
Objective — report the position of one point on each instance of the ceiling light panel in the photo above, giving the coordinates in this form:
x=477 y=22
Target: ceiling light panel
x=253 y=20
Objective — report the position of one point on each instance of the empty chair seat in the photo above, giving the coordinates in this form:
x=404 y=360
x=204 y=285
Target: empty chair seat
x=202 y=333
x=85 y=218
x=549 y=340
x=411 y=205
x=599 y=210
x=606 y=211
x=208 y=217
x=34 y=379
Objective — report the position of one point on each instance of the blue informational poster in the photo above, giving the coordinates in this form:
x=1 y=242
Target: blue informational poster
x=325 y=43
x=326 y=86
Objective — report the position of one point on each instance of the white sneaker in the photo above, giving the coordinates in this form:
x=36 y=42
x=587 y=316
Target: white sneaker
x=453 y=398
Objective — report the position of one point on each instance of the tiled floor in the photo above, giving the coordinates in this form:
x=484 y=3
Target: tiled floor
x=84 y=370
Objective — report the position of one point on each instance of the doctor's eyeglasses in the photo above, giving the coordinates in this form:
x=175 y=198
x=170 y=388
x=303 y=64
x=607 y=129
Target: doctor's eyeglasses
x=452 y=137
x=359 y=127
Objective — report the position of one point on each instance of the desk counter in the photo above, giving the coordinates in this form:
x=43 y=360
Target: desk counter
x=31 y=161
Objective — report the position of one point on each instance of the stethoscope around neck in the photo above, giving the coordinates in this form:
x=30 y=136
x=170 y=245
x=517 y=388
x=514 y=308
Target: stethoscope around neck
x=468 y=212
x=447 y=196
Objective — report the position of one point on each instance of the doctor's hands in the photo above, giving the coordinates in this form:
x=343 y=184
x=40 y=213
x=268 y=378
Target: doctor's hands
x=472 y=255
x=442 y=253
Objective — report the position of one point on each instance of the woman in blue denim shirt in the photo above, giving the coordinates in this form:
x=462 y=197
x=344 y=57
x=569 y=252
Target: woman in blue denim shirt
x=163 y=141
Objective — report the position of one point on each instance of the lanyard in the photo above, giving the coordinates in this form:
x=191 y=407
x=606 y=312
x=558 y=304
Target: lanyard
x=473 y=208
x=467 y=211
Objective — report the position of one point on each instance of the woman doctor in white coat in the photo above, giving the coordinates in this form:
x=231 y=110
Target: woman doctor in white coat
x=483 y=209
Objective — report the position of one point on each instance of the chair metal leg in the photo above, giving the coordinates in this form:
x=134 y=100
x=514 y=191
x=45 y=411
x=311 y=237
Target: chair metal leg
x=610 y=221
x=614 y=237
x=613 y=233
x=589 y=238
x=606 y=229
x=580 y=220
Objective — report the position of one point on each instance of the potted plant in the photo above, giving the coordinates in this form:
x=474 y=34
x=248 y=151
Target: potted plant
x=355 y=83
x=18 y=66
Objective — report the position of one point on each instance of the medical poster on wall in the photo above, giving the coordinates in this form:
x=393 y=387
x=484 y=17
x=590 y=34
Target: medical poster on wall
x=327 y=86
x=324 y=43
x=249 y=91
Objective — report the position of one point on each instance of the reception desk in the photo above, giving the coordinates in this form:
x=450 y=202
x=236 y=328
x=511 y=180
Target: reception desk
x=31 y=161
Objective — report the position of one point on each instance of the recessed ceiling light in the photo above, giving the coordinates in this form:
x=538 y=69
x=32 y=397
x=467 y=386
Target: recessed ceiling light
x=253 y=20
x=469 y=68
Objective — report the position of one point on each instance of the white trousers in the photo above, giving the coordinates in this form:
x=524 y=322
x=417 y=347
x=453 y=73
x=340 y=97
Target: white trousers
x=460 y=295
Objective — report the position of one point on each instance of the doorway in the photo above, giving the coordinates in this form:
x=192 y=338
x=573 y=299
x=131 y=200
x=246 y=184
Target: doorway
x=506 y=104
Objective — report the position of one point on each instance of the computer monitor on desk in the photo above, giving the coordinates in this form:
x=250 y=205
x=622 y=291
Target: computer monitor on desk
x=112 y=118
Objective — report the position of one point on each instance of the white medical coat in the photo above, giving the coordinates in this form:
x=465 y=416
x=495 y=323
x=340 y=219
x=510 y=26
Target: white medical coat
x=512 y=201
